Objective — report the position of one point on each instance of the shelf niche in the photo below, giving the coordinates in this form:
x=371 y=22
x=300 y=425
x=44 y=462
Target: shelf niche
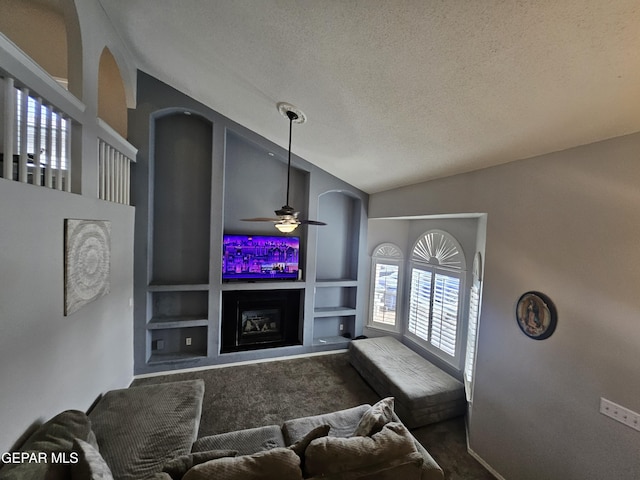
x=338 y=241
x=181 y=182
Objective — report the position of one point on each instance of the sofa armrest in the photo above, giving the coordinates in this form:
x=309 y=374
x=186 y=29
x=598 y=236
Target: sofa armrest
x=138 y=429
x=430 y=468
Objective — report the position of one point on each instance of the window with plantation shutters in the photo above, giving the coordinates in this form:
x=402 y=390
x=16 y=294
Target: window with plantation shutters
x=435 y=300
x=385 y=282
x=472 y=328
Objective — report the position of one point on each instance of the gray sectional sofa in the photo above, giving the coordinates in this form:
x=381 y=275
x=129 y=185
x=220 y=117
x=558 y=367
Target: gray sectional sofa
x=150 y=432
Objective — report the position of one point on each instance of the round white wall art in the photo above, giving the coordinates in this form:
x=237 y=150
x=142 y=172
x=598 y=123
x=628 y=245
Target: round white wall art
x=87 y=272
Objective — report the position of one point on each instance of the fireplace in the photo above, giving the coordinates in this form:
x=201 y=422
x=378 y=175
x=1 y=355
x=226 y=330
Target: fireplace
x=258 y=319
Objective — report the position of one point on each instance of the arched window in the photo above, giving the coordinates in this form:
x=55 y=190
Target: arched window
x=386 y=278
x=436 y=294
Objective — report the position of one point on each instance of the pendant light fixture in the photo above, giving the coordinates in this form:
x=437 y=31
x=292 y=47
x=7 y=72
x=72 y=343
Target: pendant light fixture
x=288 y=220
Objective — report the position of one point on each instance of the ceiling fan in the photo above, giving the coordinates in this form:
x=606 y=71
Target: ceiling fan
x=287 y=217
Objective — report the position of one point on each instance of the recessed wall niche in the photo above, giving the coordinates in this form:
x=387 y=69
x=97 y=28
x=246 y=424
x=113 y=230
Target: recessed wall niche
x=182 y=199
x=338 y=242
x=256 y=185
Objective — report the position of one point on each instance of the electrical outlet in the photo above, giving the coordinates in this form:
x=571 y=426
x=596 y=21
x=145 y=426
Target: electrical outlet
x=187 y=341
x=620 y=413
x=159 y=344
x=341 y=327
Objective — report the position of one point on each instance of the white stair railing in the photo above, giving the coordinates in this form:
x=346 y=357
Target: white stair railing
x=114 y=169
x=36 y=139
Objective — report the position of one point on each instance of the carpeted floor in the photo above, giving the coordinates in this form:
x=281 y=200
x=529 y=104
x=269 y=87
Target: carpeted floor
x=269 y=393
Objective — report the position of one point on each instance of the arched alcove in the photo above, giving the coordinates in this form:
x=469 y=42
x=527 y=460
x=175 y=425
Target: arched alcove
x=47 y=31
x=112 y=104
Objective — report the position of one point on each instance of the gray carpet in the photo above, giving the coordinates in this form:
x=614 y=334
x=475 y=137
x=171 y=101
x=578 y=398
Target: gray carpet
x=269 y=393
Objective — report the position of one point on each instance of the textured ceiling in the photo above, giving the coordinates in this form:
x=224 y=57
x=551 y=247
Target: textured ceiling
x=401 y=91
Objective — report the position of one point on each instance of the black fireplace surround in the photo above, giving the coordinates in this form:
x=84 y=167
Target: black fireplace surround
x=256 y=319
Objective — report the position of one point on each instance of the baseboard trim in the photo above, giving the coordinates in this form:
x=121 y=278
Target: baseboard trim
x=236 y=364
x=479 y=459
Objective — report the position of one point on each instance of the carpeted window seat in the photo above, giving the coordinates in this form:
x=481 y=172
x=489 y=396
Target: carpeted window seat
x=424 y=393
x=150 y=433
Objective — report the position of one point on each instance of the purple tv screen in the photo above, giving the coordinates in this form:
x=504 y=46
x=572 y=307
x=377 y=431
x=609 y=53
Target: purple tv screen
x=260 y=257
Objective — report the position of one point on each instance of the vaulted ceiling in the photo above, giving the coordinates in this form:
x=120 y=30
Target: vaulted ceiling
x=401 y=91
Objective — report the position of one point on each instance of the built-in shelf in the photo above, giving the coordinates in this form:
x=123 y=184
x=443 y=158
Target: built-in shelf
x=177 y=287
x=337 y=283
x=177 y=322
x=333 y=341
x=320 y=312
x=173 y=357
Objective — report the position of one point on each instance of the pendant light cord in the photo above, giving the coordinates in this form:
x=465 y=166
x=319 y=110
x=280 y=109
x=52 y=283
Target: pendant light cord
x=292 y=116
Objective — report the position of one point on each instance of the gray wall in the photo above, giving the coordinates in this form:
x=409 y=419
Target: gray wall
x=566 y=224
x=49 y=362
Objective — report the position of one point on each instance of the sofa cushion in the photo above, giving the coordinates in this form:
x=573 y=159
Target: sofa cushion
x=331 y=455
x=408 y=467
x=343 y=423
x=177 y=467
x=375 y=418
x=54 y=436
x=90 y=465
x=245 y=442
x=274 y=464
x=139 y=429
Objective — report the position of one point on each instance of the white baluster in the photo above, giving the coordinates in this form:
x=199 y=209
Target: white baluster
x=67 y=150
x=24 y=116
x=48 y=155
x=127 y=181
x=101 y=155
x=37 y=140
x=59 y=140
x=9 y=126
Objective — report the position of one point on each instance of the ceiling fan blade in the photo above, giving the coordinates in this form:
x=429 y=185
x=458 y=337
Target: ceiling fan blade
x=311 y=222
x=260 y=219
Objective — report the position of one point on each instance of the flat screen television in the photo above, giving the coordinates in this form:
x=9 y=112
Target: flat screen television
x=260 y=257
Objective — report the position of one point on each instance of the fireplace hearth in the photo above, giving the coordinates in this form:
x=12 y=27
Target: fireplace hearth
x=260 y=319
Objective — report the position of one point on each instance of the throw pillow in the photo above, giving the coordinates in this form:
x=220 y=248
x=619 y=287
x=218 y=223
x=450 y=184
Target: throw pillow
x=375 y=418
x=275 y=464
x=91 y=465
x=177 y=467
x=331 y=455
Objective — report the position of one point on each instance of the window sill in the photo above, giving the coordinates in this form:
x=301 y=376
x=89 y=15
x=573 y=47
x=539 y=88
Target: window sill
x=381 y=328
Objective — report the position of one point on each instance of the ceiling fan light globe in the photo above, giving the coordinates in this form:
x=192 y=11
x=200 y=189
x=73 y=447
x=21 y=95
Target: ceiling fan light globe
x=286 y=227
